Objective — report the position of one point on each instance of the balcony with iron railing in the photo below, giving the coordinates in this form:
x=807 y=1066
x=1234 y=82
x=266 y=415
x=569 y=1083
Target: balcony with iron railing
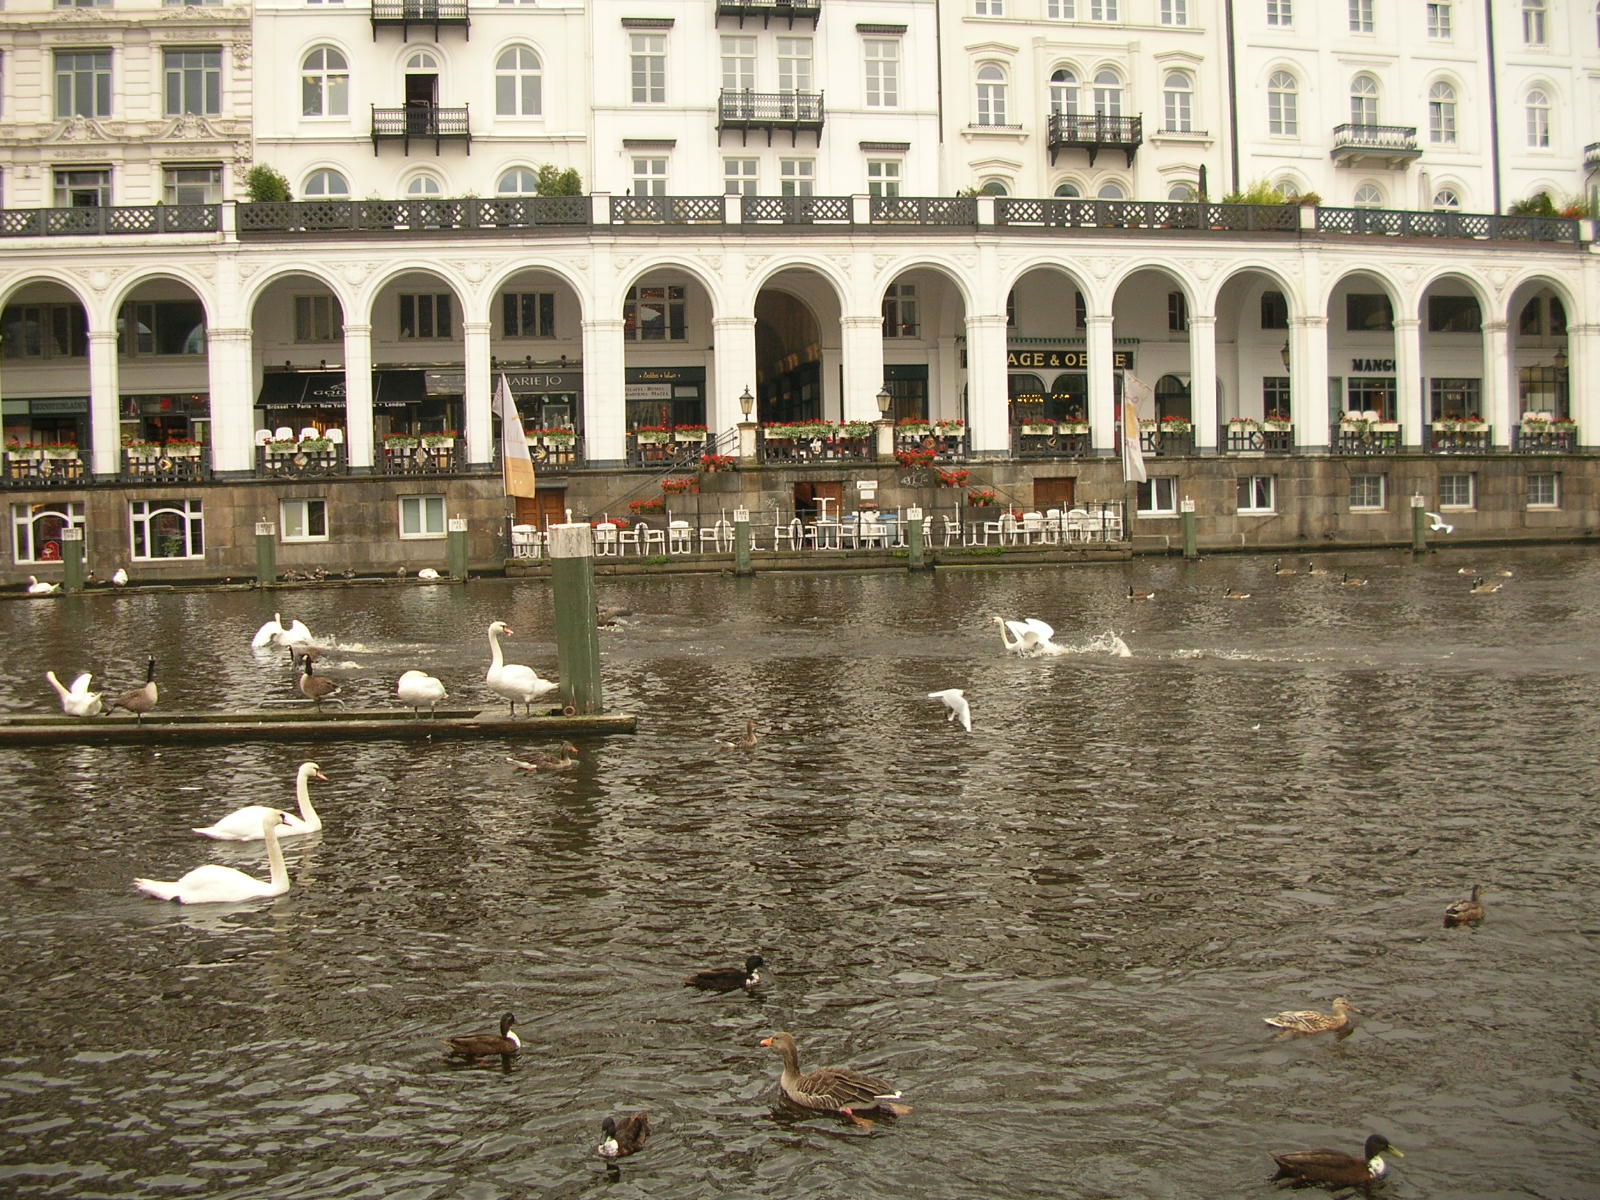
x=434 y=14
x=1591 y=156
x=791 y=112
x=1073 y=131
x=421 y=121
x=1357 y=145
x=772 y=10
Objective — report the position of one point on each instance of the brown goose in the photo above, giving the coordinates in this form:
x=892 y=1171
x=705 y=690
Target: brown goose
x=624 y=1137
x=315 y=687
x=1309 y=1020
x=1465 y=912
x=747 y=742
x=142 y=699
x=1301 y=1167
x=832 y=1089
x=727 y=979
x=479 y=1046
x=543 y=760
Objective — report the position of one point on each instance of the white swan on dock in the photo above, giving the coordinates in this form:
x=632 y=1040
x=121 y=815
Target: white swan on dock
x=245 y=824
x=212 y=884
x=512 y=681
x=78 y=700
x=35 y=588
x=417 y=688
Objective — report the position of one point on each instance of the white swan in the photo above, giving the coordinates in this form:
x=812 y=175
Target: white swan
x=417 y=688
x=1029 y=636
x=119 y=577
x=956 y=701
x=77 y=701
x=212 y=884
x=35 y=588
x=295 y=635
x=511 y=681
x=427 y=573
x=268 y=634
x=244 y=824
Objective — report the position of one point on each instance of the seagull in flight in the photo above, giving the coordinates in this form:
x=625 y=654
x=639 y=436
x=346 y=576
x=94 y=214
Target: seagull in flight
x=1436 y=523
x=956 y=701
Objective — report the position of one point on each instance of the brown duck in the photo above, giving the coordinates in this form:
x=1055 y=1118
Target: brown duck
x=480 y=1046
x=543 y=760
x=1465 y=912
x=832 y=1089
x=1301 y=1167
x=1309 y=1020
x=623 y=1137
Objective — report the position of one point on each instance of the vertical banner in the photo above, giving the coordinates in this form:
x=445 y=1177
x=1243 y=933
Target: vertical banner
x=1134 y=390
x=514 y=456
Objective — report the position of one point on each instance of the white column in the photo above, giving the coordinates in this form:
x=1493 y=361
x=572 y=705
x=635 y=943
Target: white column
x=734 y=370
x=105 y=409
x=1408 y=378
x=604 y=411
x=1308 y=380
x=358 y=440
x=231 y=402
x=989 y=428
x=863 y=365
x=479 y=399
x=1583 y=380
x=1203 y=379
x=1102 y=379
x=1499 y=389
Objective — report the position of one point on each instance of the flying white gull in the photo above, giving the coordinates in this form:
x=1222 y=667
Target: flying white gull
x=956 y=701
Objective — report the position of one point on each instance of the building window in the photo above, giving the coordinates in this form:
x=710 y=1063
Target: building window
x=528 y=314
x=1447 y=199
x=83 y=83
x=991 y=95
x=1080 y=311
x=1068 y=191
x=1182 y=193
x=191 y=185
x=1158 y=496
x=1283 y=105
x=1538 y=109
x=1111 y=191
x=648 y=66
x=1454 y=398
x=519 y=181
x=1103 y=10
x=36 y=529
x=1367 y=492
x=1061 y=10
x=900 y=317
x=425 y=315
x=1177 y=313
x=303 y=520
x=1439 y=19
x=1108 y=94
x=649 y=177
x=1533 y=22
x=424 y=187
x=656 y=314
x=324 y=84
x=1064 y=91
x=739 y=177
x=1442 y=114
x=167 y=529
x=739 y=64
x=170 y=328
x=883 y=72
x=1368 y=312
x=328 y=185
x=1255 y=494
x=1544 y=489
x=44 y=331
x=1363 y=100
x=82 y=187
x=988 y=8
x=317 y=319
x=1274 y=310
x=796 y=176
x=883 y=176
x=518 y=83
x=1178 y=95
x=1275 y=396
x=1456 y=491
x=1371 y=394
x=794 y=64
x=1280 y=13
x=194 y=81
x=1174 y=12
x=1360 y=16
x=422 y=517
x=1454 y=314
x=83 y=3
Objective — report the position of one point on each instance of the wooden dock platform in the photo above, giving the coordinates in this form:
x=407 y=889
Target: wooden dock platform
x=294 y=725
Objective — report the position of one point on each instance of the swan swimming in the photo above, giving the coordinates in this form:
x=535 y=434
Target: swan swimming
x=244 y=824
x=417 y=688
x=956 y=701
x=78 y=700
x=212 y=884
x=35 y=588
x=511 y=681
x=1029 y=636
x=276 y=633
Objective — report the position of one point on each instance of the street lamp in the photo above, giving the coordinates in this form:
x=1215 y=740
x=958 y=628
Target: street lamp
x=1284 y=353
x=747 y=402
x=885 y=401
x=1561 y=358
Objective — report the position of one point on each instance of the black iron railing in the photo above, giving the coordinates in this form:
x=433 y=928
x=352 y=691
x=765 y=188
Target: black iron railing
x=1073 y=131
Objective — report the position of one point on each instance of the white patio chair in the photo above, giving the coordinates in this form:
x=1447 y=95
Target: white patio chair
x=719 y=535
x=952 y=531
x=336 y=436
x=652 y=541
x=1054 y=526
x=605 y=539
x=524 y=541
x=262 y=437
x=793 y=535
x=680 y=538
x=283 y=434
x=1032 y=527
x=1080 y=525
x=309 y=431
x=629 y=537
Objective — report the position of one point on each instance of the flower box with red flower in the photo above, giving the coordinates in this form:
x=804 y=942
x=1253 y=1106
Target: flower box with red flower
x=678 y=486
x=391 y=441
x=913 y=459
x=983 y=498
x=558 y=438
x=60 y=450
x=688 y=433
x=716 y=462
x=913 y=427
x=444 y=440
x=954 y=479
x=654 y=504
x=950 y=427
x=1176 y=425
x=653 y=434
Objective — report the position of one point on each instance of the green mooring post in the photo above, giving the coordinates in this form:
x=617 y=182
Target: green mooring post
x=1419 y=527
x=266 y=552
x=741 y=542
x=72 y=559
x=916 y=541
x=457 y=534
x=1191 y=545
x=577 y=636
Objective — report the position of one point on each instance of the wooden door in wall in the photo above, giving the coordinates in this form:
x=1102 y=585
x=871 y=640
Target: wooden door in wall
x=1054 y=492
x=541 y=510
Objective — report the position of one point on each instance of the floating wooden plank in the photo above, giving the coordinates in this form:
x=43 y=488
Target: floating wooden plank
x=307 y=724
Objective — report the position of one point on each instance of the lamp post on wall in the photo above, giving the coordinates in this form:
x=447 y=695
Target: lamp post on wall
x=747 y=427
x=885 y=447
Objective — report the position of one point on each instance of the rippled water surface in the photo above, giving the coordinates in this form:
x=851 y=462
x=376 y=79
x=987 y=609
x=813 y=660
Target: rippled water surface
x=1057 y=934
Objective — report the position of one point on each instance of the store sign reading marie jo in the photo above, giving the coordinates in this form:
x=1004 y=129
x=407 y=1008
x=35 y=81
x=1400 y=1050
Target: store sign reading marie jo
x=1063 y=360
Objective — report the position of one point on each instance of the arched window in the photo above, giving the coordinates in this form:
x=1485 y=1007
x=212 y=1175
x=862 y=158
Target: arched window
x=421 y=60
x=994 y=187
x=1533 y=22
x=1108 y=94
x=324 y=84
x=1368 y=196
x=1182 y=193
x=517 y=83
x=1283 y=105
x=1069 y=191
x=1538 y=108
x=991 y=95
x=1363 y=100
x=1178 y=97
x=1442 y=114
x=1064 y=91
x=1111 y=191
x=519 y=181
x=424 y=186
x=325 y=184
x=1287 y=188
x=1447 y=199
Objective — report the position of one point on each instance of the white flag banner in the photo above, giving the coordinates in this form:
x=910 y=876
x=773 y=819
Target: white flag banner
x=514 y=454
x=1134 y=391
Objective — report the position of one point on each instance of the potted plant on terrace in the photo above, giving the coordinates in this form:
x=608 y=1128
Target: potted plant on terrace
x=653 y=434
x=856 y=429
x=913 y=427
x=1277 y=421
x=678 y=486
x=954 y=479
x=559 y=437
x=716 y=462
x=950 y=426
x=60 y=450
x=688 y=433
x=439 y=441
x=392 y=441
x=1038 y=427
x=982 y=498
x=641 y=508
x=182 y=448
x=1176 y=425
x=1073 y=425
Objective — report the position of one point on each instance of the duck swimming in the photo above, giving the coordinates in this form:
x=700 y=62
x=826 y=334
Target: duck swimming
x=625 y=1137
x=1465 y=912
x=1309 y=1020
x=1301 y=1167
x=543 y=760
x=746 y=742
x=728 y=979
x=479 y=1046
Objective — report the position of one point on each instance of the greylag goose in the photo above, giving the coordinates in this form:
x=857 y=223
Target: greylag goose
x=543 y=760
x=832 y=1089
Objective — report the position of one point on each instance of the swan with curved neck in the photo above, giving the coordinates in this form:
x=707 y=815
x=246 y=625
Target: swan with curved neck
x=78 y=700
x=244 y=824
x=212 y=884
x=1028 y=636
x=511 y=681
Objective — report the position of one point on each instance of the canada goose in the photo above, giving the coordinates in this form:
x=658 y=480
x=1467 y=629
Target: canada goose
x=1481 y=587
x=1315 y=570
x=1279 y=569
x=315 y=687
x=623 y=1138
x=478 y=1046
x=1133 y=595
x=1234 y=594
x=1349 y=580
x=142 y=699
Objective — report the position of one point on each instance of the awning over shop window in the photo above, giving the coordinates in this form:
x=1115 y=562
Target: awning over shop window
x=396 y=389
x=326 y=389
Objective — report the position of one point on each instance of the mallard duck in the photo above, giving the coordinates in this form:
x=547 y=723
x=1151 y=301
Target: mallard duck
x=1234 y=594
x=1465 y=912
x=1343 y=1170
x=747 y=742
x=1349 y=580
x=611 y=614
x=1133 y=595
x=832 y=1089
x=1279 y=569
x=478 y=1046
x=142 y=699
x=727 y=979
x=543 y=760
x=1482 y=587
x=624 y=1137
x=1315 y=570
x=315 y=687
x=1309 y=1020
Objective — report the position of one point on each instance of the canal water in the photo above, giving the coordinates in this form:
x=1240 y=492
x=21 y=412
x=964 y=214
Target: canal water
x=1058 y=934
